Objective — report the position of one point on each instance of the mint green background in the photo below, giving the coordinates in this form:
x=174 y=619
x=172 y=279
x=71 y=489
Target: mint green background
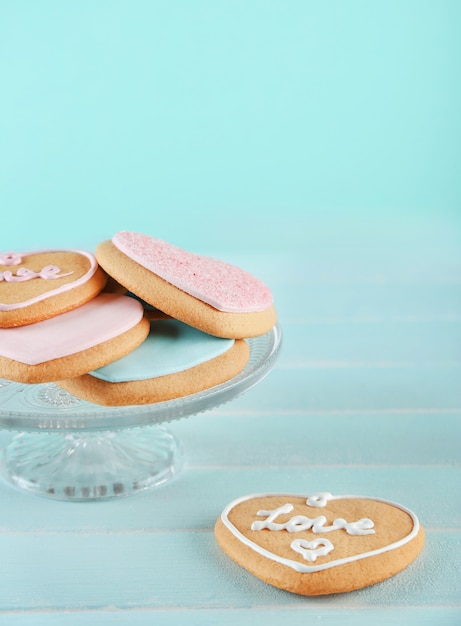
x=191 y=120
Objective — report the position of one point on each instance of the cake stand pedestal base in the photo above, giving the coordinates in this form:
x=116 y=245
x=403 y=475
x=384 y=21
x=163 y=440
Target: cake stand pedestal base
x=91 y=465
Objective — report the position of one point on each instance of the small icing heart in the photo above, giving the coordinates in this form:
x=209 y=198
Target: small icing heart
x=310 y=550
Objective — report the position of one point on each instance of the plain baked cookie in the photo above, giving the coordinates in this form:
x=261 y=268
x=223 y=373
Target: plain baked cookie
x=37 y=285
x=94 y=334
x=211 y=295
x=175 y=360
x=319 y=544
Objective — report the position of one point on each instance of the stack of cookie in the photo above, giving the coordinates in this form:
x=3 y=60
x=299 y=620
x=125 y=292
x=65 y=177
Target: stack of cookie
x=140 y=321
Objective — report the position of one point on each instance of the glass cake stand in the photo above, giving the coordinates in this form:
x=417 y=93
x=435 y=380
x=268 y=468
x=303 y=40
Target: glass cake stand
x=69 y=449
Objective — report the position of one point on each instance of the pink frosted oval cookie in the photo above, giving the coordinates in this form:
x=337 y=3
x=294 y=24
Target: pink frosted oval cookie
x=37 y=285
x=224 y=286
x=104 y=329
x=319 y=544
x=209 y=294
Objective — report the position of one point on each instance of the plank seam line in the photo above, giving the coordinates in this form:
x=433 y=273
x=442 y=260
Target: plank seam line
x=353 y=320
x=367 y=365
x=322 y=466
x=366 y=411
x=154 y=531
x=224 y=607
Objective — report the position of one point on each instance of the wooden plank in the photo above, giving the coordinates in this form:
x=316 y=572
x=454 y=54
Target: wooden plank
x=163 y=570
x=269 y=616
x=374 y=344
x=366 y=303
x=355 y=389
x=224 y=439
x=196 y=498
x=372 y=438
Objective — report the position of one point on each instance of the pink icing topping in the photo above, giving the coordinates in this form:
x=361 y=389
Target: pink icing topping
x=13 y=258
x=224 y=286
x=23 y=274
x=101 y=319
x=10 y=258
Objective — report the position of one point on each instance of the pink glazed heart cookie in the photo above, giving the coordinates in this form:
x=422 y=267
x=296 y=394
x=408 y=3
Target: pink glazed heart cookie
x=104 y=329
x=37 y=285
x=211 y=295
x=319 y=544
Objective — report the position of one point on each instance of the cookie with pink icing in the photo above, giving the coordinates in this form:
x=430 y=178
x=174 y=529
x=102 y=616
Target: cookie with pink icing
x=319 y=544
x=209 y=294
x=98 y=332
x=35 y=286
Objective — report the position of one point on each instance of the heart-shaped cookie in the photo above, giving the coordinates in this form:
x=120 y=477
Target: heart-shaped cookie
x=175 y=360
x=214 y=296
x=102 y=330
x=319 y=544
x=37 y=285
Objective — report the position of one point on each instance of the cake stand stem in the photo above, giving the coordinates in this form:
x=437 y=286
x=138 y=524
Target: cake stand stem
x=91 y=465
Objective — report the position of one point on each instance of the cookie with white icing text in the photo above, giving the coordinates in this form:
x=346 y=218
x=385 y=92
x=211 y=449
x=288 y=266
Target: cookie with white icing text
x=102 y=330
x=37 y=285
x=209 y=294
x=319 y=544
x=174 y=361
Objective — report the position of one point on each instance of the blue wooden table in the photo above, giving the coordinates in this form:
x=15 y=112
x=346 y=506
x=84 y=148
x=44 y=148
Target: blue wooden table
x=365 y=398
